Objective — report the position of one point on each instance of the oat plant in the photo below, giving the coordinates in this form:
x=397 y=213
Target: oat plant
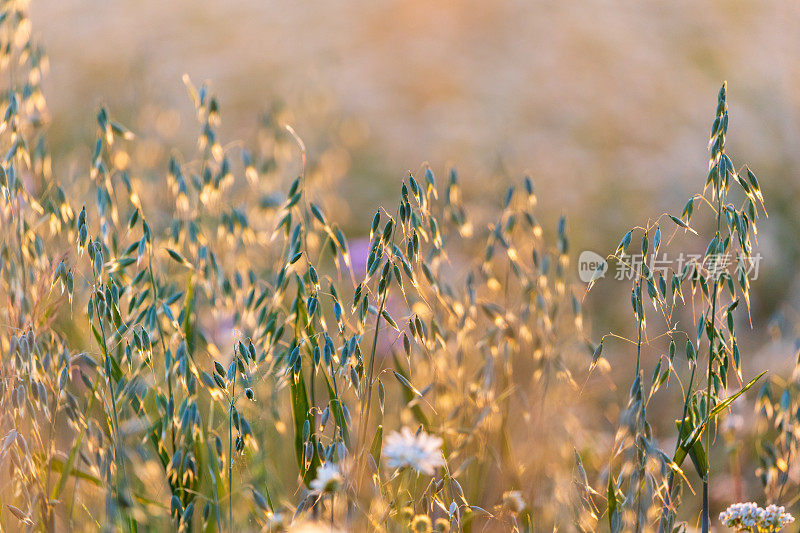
x=644 y=481
x=193 y=341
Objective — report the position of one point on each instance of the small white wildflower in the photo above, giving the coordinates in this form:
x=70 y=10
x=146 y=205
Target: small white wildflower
x=328 y=478
x=513 y=500
x=746 y=516
x=776 y=517
x=421 y=452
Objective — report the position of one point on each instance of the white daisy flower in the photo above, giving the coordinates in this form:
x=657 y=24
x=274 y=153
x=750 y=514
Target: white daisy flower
x=422 y=452
x=328 y=478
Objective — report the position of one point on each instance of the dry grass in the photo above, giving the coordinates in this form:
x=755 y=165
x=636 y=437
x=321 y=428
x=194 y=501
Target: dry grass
x=223 y=357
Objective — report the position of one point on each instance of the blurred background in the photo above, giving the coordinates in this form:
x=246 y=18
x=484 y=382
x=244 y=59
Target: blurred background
x=606 y=105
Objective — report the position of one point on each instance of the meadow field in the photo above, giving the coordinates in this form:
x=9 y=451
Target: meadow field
x=399 y=266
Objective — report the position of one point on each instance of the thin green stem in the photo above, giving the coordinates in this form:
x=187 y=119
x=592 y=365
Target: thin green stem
x=230 y=449
x=639 y=347
x=639 y=452
x=671 y=476
x=115 y=419
x=371 y=371
x=709 y=374
x=167 y=372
